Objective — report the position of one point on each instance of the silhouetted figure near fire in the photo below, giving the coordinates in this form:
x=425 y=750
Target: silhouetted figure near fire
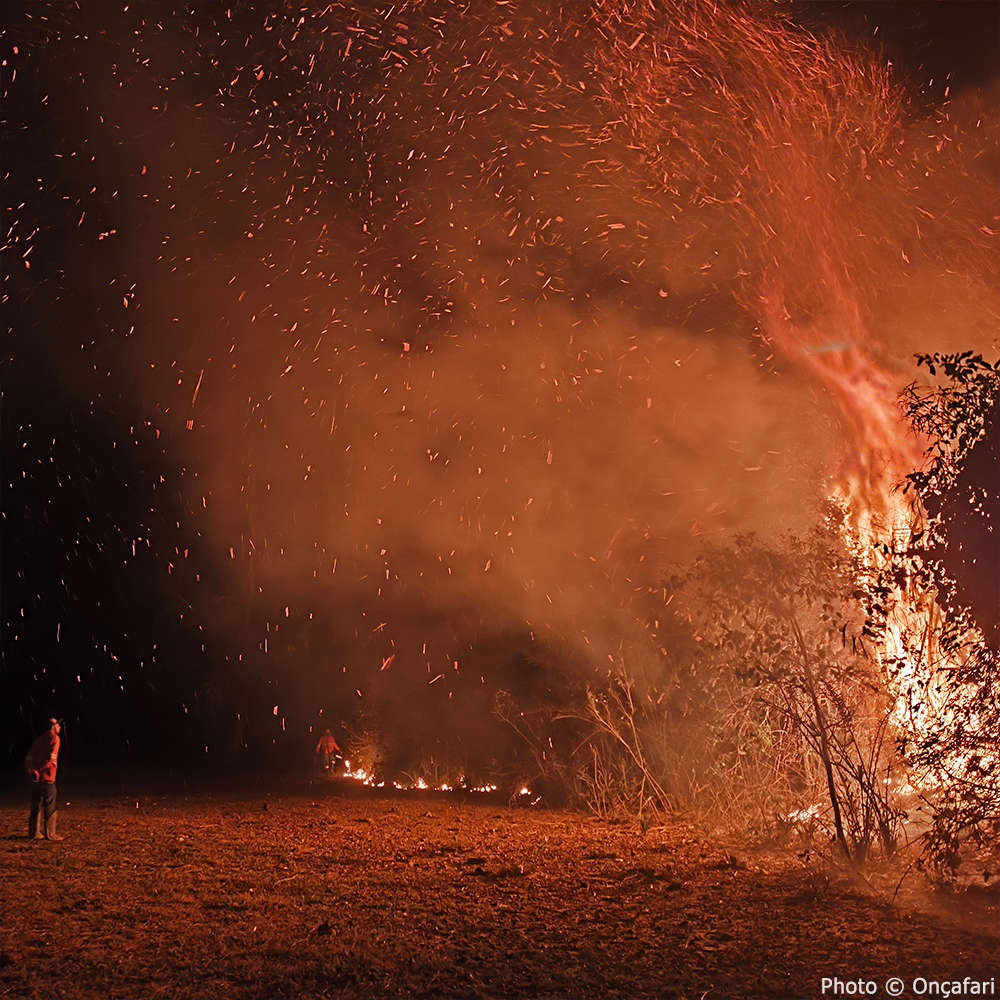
x=326 y=749
x=41 y=763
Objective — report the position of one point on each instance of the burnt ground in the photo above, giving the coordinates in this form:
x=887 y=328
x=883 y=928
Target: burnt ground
x=327 y=892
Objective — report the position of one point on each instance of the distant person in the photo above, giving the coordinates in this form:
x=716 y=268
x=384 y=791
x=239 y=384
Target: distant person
x=325 y=751
x=41 y=763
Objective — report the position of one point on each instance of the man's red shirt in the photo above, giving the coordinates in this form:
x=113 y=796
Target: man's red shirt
x=43 y=758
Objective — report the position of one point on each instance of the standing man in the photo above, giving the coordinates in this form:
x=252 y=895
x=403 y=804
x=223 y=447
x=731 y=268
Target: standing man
x=42 y=762
x=325 y=750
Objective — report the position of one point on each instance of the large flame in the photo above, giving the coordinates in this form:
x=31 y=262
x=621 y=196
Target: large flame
x=883 y=520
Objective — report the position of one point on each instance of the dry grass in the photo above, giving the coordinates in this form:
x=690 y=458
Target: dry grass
x=305 y=893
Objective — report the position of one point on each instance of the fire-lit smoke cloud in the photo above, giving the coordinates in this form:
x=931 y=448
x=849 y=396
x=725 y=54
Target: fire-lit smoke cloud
x=457 y=322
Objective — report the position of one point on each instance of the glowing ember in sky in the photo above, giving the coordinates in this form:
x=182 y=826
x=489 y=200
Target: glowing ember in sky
x=381 y=347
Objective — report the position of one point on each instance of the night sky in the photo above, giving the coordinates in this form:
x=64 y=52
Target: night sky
x=363 y=361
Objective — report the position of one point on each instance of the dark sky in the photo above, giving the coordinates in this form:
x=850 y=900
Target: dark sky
x=373 y=360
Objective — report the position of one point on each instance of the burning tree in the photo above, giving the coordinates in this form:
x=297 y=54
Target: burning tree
x=934 y=608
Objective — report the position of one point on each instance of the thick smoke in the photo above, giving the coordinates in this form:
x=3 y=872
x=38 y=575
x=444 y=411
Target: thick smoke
x=451 y=318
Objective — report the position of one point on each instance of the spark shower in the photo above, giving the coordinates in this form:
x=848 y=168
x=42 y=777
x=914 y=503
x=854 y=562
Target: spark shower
x=359 y=352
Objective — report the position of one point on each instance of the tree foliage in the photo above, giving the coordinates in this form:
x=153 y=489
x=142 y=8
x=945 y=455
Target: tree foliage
x=959 y=490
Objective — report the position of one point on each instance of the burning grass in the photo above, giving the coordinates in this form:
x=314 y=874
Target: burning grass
x=333 y=891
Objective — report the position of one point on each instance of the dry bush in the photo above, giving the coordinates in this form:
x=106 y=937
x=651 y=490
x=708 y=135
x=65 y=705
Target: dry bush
x=774 y=727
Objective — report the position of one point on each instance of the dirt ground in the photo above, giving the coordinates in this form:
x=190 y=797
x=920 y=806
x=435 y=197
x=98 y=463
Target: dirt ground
x=327 y=891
